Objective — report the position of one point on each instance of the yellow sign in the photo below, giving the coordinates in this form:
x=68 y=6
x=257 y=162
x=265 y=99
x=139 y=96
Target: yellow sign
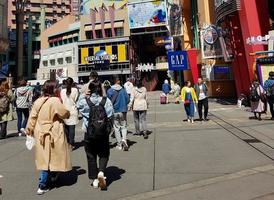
x=265 y=71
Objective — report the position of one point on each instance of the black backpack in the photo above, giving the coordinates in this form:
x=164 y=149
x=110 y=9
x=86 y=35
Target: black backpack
x=98 y=122
x=254 y=95
x=270 y=91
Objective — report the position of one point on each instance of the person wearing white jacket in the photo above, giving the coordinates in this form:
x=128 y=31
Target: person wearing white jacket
x=69 y=96
x=139 y=105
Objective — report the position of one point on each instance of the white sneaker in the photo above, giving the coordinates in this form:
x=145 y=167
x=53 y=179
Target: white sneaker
x=95 y=184
x=119 y=147
x=41 y=191
x=19 y=134
x=124 y=145
x=188 y=120
x=192 y=121
x=102 y=181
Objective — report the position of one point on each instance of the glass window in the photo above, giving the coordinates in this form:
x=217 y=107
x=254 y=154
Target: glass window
x=69 y=60
x=60 y=61
x=119 y=32
x=52 y=62
x=45 y=63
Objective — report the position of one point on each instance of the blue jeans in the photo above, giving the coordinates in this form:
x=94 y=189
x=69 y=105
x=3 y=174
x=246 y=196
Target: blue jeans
x=20 y=112
x=43 y=180
x=189 y=108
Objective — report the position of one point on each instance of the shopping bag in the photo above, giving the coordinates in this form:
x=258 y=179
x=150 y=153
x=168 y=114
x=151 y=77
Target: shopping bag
x=30 y=142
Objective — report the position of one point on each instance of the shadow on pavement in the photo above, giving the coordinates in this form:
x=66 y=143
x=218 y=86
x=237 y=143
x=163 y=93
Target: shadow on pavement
x=69 y=178
x=113 y=174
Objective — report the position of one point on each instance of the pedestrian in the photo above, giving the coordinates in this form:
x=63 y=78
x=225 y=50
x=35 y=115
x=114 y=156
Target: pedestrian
x=96 y=109
x=177 y=90
x=23 y=103
x=129 y=86
x=257 y=96
x=139 y=105
x=201 y=93
x=93 y=77
x=119 y=98
x=52 y=153
x=6 y=99
x=36 y=92
x=69 y=96
x=189 y=99
x=269 y=88
x=166 y=90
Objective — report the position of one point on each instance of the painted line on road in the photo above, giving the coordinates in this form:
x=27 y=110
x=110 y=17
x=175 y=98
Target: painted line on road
x=201 y=183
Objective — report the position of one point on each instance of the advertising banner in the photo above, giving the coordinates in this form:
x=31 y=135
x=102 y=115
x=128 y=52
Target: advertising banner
x=147 y=14
x=177 y=60
x=211 y=47
x=175 y=18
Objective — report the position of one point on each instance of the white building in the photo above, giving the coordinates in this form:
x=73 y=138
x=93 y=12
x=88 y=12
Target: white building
x=60 y=61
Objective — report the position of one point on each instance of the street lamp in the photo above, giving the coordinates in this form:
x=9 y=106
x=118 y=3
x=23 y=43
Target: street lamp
x=20 y=7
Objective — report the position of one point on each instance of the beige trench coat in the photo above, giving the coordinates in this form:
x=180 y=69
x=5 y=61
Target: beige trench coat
x=51 y=148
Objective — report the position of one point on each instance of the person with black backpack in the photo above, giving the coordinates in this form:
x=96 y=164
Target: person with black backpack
x=97 y=112
x=269 y=88
x=257 y=96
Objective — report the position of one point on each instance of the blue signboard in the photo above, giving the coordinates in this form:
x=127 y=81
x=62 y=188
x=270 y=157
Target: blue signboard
x=177 y=60
x=221 y=69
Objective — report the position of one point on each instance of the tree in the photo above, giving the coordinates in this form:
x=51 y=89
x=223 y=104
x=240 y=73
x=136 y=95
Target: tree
x=20 y=7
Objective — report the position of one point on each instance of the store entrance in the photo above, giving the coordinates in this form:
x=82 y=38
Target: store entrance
x=149 y=49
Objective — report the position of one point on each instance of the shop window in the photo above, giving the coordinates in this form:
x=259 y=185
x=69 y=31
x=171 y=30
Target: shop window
x=60 y=61
x=89 y=35
x=75 y=39
x=50 y=44
x=65 y=41
x=60 y=43
x=68 y=60
x=45 y=63
x=99 y=34
x=52 y=62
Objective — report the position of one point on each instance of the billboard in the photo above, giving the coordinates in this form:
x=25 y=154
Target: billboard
x=175 y=18
x=147 y=14
x=86 y=5
x=211 y=47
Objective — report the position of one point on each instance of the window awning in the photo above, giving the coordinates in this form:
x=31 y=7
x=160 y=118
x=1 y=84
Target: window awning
x=107 y=26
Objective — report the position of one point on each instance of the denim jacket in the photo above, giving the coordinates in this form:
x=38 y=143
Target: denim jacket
x=84 y=109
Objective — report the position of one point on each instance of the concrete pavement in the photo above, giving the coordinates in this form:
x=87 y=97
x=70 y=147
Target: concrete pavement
x=178 y=161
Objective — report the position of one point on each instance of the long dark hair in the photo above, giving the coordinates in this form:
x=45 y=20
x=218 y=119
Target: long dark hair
x=96 y=87
x=50 y=88
x=69 y=85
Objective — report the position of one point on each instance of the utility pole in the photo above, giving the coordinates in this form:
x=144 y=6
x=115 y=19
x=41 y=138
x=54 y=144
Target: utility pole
x=30 y=52
x=19 y=63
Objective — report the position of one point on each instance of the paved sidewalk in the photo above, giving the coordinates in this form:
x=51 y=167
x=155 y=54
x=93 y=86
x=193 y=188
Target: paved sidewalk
x=178 y=161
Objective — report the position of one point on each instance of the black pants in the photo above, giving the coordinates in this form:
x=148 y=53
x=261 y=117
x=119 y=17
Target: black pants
x=203 y=103
x=3 y=130
x=271 y=102
x=97 y=147
x=70 y=133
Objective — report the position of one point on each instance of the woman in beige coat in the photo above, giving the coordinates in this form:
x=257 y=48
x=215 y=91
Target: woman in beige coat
x=46 y=124
x=139 y=104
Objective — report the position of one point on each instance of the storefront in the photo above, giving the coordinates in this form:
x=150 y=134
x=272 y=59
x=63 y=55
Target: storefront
x=241 y=20
x=150 y=39
x=107 y=56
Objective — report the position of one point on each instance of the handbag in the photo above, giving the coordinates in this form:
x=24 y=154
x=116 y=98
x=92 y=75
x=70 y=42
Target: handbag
x=187 y=102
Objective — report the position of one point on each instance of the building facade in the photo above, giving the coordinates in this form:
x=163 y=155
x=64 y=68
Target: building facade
x=38 y=15
x=3 y=32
